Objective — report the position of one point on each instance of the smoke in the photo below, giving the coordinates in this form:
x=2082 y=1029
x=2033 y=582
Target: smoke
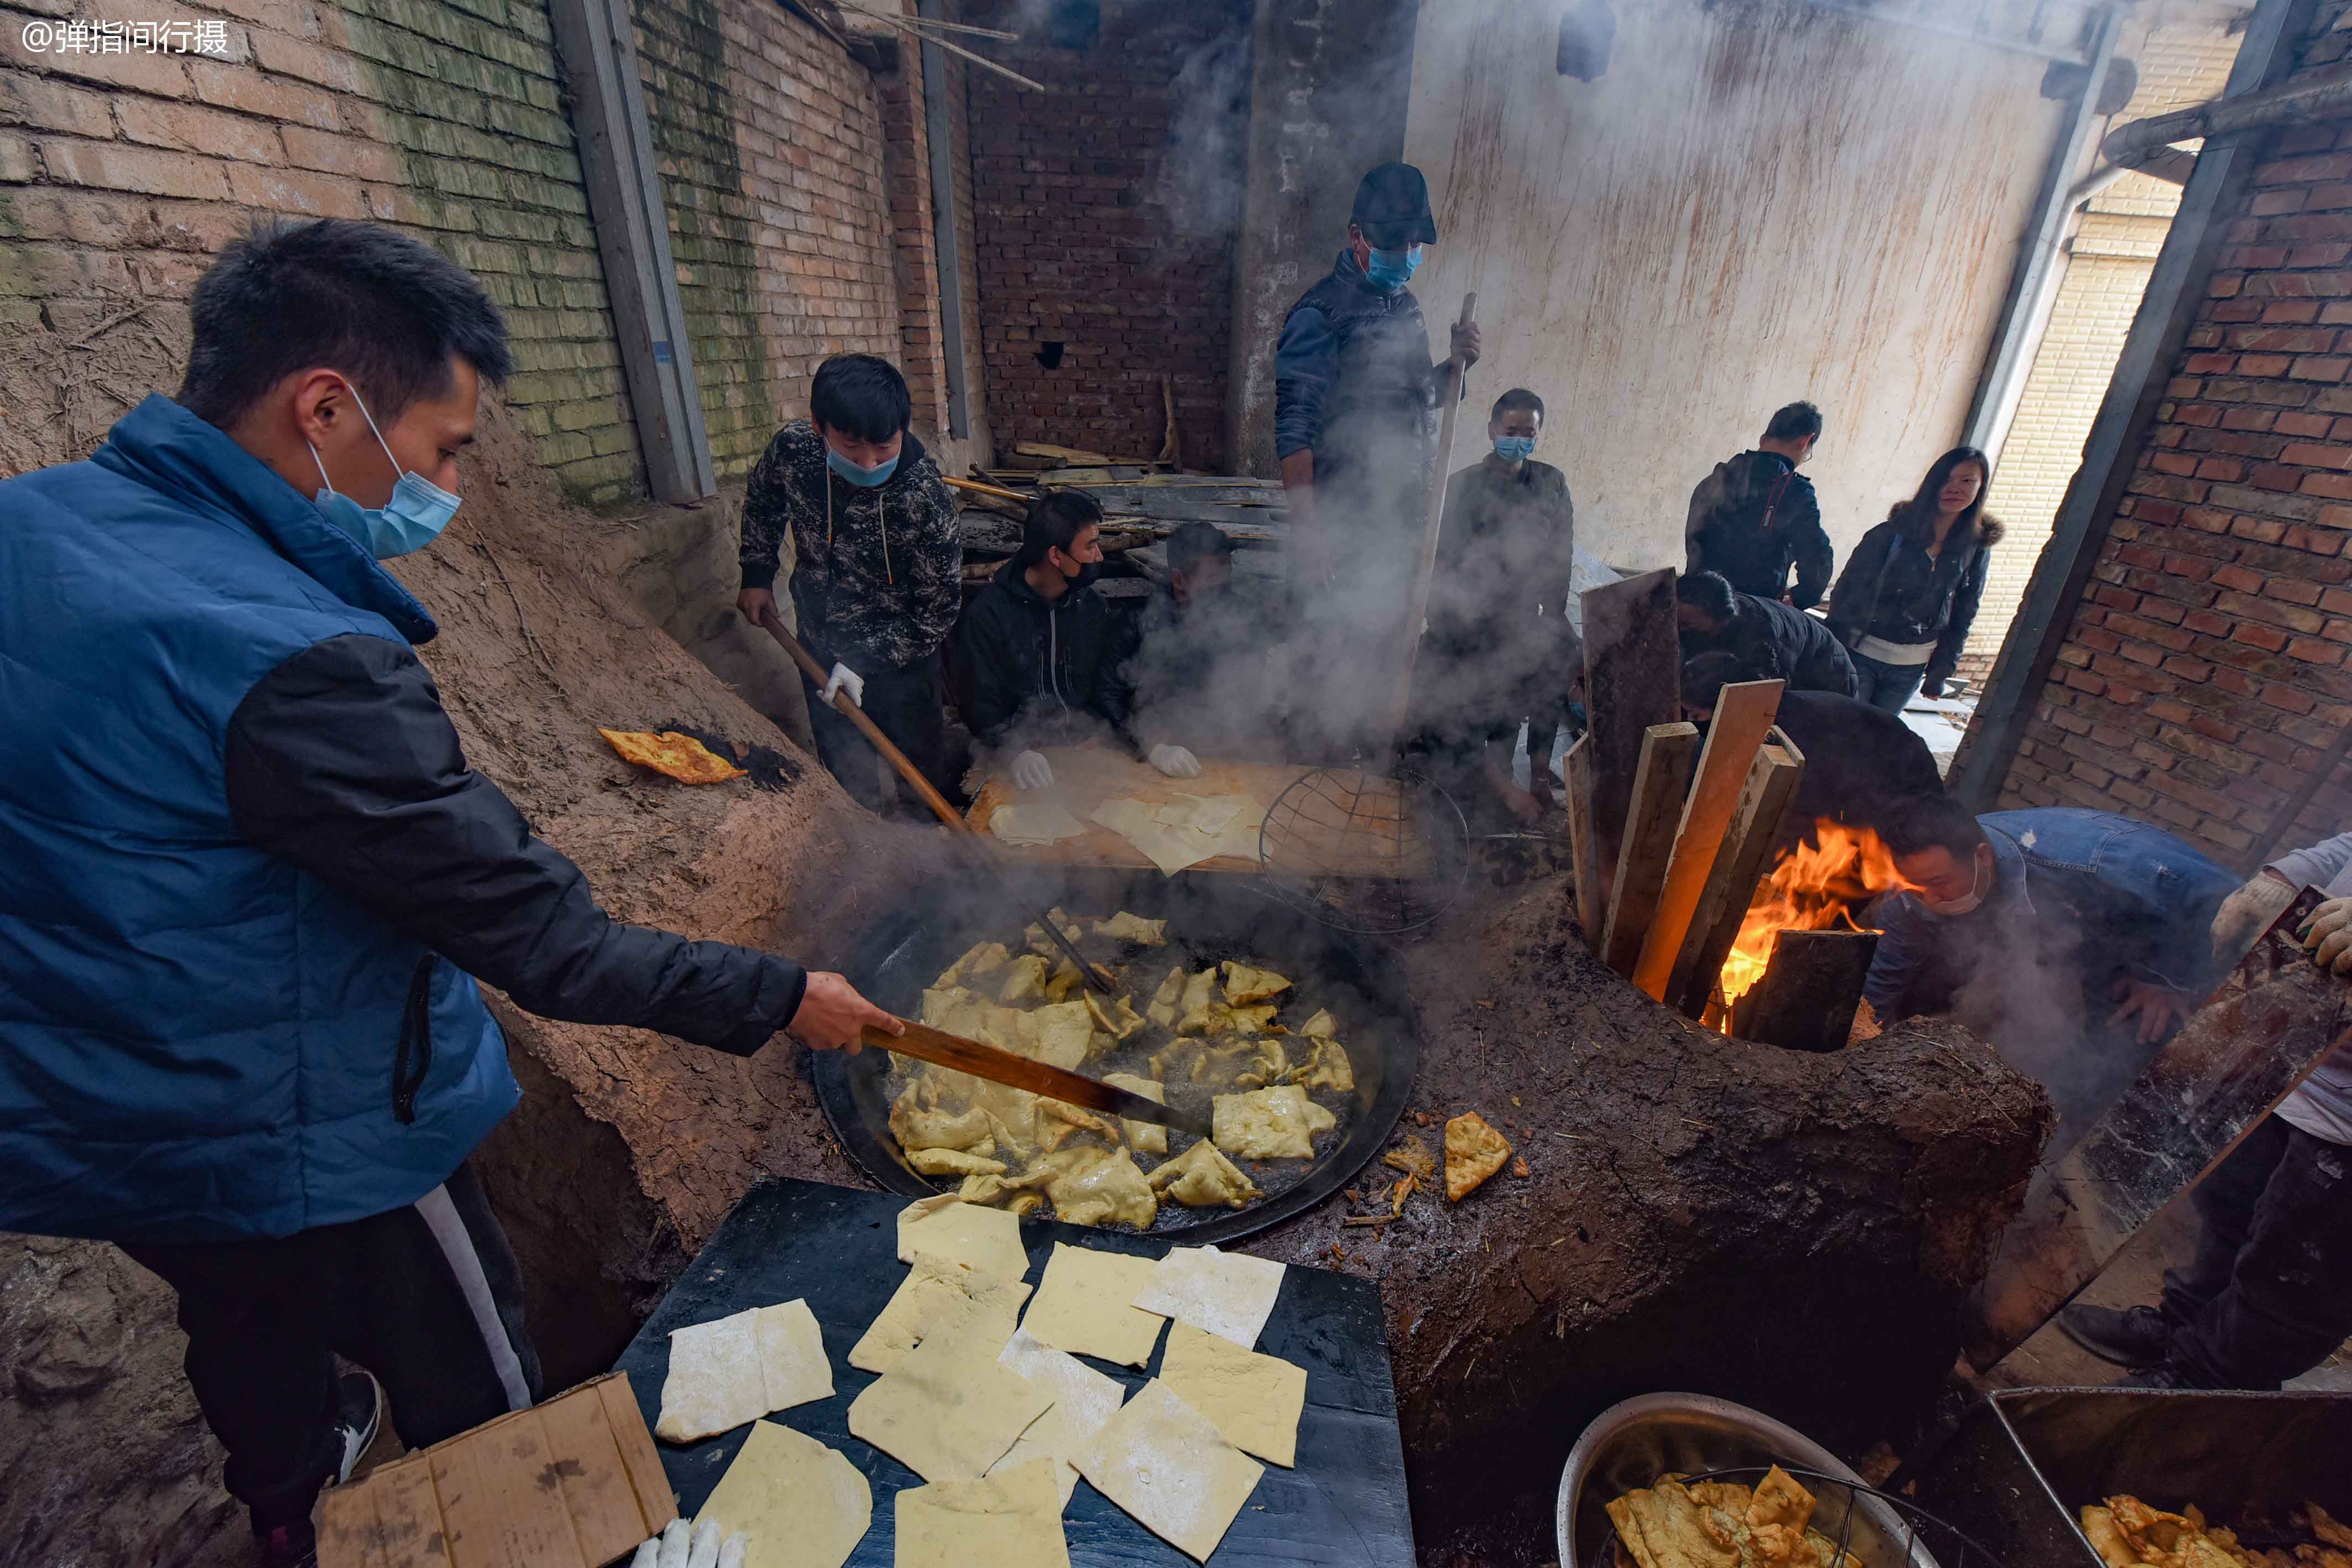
x=1205 y=174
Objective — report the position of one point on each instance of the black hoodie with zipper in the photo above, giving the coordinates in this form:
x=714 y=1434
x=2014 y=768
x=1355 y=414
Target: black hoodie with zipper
x=1892 y=588
x=1036 y=670
x=1754 y=519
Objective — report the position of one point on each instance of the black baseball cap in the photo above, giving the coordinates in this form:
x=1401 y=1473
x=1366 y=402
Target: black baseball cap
x=1393 y=208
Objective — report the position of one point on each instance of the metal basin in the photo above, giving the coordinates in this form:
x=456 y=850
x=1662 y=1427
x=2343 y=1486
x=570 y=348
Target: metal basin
x=1630 y=1445
x=905 y=951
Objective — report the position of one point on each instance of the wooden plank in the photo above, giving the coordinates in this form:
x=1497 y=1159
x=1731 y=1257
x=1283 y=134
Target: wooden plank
x=595 y=1483
x=1812 y=985
x=1632 y=671
x=656 y=1501
x=1661 y=786
x=1730 y=887
x=1743 y=715
x=1577 y=769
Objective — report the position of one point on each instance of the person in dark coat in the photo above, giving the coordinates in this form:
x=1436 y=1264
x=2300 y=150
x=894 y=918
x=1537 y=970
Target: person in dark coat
x=1355 y=430
x=1861 y=764
x=1772 y=641
x=1500 y=650
x=1910 y=589
x=877 y=562
x=254 y=890
x=1756 y=518
x=1040 y=653
x=2073 y=941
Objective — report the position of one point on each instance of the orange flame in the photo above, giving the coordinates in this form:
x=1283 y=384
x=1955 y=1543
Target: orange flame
x=1814 y=886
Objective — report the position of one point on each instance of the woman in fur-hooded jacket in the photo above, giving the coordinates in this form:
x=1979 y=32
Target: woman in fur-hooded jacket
x=1910 y=589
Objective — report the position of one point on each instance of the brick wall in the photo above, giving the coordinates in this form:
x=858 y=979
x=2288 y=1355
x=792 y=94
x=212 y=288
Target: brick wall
x=2205 y=673
x=121 y=174
x=2108 y=269
x=1107 y=211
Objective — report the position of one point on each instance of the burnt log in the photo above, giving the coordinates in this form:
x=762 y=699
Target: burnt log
x=1809 y=992
x=1792 y=1230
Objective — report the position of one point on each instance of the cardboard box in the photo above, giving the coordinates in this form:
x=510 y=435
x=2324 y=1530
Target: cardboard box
x=572 y=1483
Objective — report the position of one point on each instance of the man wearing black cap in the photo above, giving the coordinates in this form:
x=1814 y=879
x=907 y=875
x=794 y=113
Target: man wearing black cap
x=1355 y=421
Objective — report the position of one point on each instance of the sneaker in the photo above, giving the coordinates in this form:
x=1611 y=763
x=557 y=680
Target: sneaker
x=359 y=1412
x=2133 y=1336
x=289 y=1546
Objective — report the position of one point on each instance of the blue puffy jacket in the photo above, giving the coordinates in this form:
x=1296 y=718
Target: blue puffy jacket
x=245 y=870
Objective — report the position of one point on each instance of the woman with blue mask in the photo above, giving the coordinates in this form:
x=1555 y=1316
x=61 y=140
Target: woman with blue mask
x=877 y=555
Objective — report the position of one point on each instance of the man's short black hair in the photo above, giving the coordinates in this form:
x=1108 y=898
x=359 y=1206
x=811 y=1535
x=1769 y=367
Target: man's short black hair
x=1193 y=543
x=1704 y=676
x=1513 y=400
x=1710 y=592
x=1055 y=520
x=862 y=396
x=1797 y=422
x=1929 y=821
x=386 y=309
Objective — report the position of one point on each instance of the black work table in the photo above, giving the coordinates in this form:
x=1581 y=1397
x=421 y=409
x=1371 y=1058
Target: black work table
x=838 y=1248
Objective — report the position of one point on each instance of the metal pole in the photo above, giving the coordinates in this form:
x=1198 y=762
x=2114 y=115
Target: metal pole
x=2151 y=349
x=939 y=126
x=2034 y=283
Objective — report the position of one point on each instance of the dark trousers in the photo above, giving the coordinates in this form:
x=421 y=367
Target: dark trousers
x=427 y=1297
x=1886 y=687
x=2268 y=1295
x=905 y=705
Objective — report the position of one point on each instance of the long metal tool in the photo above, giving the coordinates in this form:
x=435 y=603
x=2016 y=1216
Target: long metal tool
x=1096 y=978
x=999 y=1066
x=2267 y=1025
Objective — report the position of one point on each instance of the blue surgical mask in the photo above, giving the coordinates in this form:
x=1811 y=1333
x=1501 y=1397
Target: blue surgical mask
x=1515 y=448
x=419 y=509
x=1390 y=270
x=864 y=478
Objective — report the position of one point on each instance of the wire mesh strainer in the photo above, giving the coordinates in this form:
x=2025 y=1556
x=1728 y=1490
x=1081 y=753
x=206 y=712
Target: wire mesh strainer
x=1373 y=853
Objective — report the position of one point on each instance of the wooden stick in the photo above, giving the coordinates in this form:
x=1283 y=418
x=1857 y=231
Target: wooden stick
x=1001 y=1066
x=1743 y=715
x=1169 y=451
x=977 y=488
x=1632 y=671
x=1661 y=787
x=1097 y=979
x=1577 y=767
x=1416 y=604
x=1807 y=998
x=1730 y=887
x=907 y=27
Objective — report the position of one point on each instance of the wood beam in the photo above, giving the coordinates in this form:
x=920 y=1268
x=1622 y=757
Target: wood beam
x=1661 y=786
x=1743 y=716
x=1633 y=674
x=1730 y=888
x=1577 y=767
x=1807 y=999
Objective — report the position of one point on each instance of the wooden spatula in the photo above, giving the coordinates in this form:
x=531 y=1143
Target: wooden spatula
x=1039 y=1078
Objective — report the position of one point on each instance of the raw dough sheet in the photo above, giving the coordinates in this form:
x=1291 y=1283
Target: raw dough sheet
x=1010 y=1520
x=1086 y=1306
x=932 y=1293
x=1083 y=1400
x=1167 y=1466
x=987 y=1239
x=949 y=1408
x=1229 y=1294
x=740 y=1367
x=797 y=1502
x=1254 y=1400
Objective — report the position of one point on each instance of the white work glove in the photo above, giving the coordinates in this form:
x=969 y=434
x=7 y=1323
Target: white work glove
x=2328 y=934
x=1176 y=762
x=2234 y=921
x=1032 y=771
x=844 y=679
x=680 y=1545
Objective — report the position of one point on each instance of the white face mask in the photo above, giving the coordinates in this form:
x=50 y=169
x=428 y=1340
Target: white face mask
x=1968 y=901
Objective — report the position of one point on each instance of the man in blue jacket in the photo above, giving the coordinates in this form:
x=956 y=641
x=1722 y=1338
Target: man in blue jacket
x=2073 y=940
x=252 y=880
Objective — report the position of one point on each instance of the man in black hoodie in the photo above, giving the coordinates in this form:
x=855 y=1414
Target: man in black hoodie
x=1756 y=516
x=1772 y=641
x=877 y=559
x=1039 y=655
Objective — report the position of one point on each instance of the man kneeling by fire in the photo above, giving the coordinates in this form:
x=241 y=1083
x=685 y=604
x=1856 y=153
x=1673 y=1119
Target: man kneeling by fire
x=2073 y=941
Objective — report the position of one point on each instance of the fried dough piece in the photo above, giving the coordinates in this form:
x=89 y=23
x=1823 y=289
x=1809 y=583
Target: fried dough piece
x=1161 y=1010
x=1135 y=928
x=1411 y=1156
x=1085 y=1121
x=681 y=757
x=1264 y=1123
x=1093 y=1185
x=1201 y=1177
x=919 y=1129
x=1119 y=1021
x=1779 y=1500
x=1060 y=1034
x=1062 y=982
x=2322 y=1524
x=956 y=1162
x=1320 y=1027
x=1327 y=1068
x=1244 y=985
x=1025 y=980
x=1473 y=1150
x=1143 y=1137
x=1197 y=1008
x=980 y=958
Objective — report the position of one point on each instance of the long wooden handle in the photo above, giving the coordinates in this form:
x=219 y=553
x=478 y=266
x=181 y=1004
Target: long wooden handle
x=1097 y=979
x=1425 y=567
x=1037 y=1077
